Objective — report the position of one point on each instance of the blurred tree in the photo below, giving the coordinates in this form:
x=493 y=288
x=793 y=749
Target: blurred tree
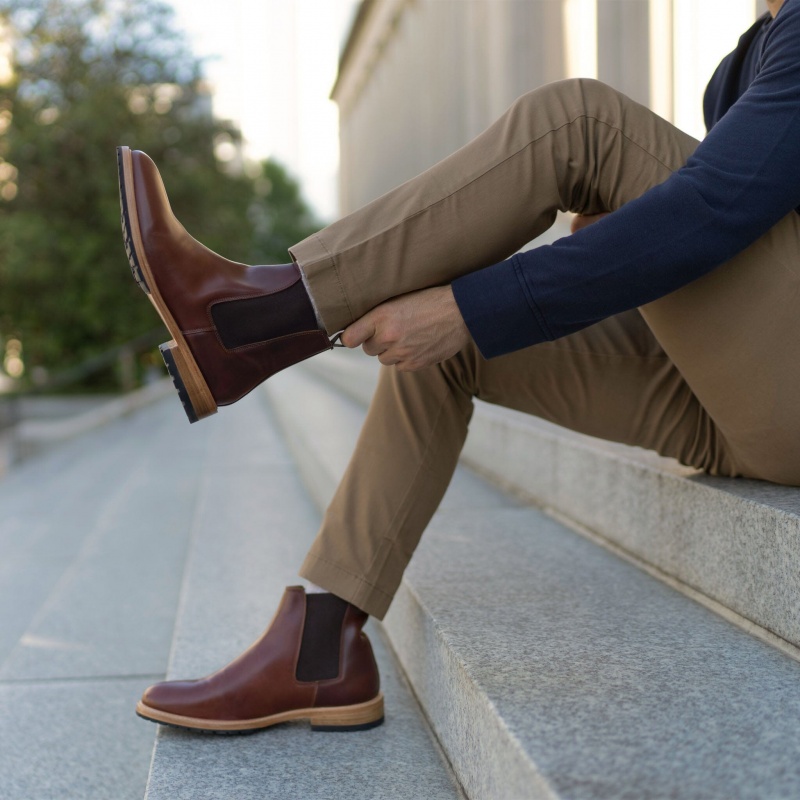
x=279 y=215
x=83 y=77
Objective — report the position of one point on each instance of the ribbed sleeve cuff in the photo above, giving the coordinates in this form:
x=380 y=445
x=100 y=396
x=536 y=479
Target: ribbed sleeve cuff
x=498 y=313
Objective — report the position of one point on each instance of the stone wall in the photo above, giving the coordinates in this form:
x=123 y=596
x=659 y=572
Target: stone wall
x=419 y=78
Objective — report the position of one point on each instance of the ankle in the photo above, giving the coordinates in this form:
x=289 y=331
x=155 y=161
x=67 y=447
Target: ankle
x=311 y=300
x=249 y=320
x=320 y=646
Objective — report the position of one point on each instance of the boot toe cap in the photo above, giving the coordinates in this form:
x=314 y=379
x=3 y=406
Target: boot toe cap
x=173 y=697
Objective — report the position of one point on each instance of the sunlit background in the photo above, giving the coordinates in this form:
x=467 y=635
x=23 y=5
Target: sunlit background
x=272 y=64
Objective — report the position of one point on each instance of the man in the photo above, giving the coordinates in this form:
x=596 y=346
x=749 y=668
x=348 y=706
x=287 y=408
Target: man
x=671 y=324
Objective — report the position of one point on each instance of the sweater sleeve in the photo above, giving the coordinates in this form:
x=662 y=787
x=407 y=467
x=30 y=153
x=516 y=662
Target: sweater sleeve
x=741 y=180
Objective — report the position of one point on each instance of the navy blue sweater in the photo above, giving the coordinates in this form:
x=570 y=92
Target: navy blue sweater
x=740 y=181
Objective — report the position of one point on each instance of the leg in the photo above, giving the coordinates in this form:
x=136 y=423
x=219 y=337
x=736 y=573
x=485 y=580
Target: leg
x=576 y=145
x=581 y=146
x=735 y=336
x=612 y=380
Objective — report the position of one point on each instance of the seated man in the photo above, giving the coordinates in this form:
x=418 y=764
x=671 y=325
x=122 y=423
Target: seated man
x=672 y=324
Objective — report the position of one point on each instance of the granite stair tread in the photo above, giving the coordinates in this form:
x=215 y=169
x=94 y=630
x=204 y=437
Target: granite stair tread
x=86 y=613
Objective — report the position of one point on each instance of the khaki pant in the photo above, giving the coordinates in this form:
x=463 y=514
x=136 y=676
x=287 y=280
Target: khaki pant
x=709 y=374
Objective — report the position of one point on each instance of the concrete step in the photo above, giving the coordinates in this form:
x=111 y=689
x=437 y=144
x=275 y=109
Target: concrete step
x=736 y=543
x=549 y=667
x=47 y=422
x=252 y=526
x=93 y=537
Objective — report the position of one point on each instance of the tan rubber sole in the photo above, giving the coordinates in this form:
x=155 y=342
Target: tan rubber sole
x=192 y=388
x=340 y=718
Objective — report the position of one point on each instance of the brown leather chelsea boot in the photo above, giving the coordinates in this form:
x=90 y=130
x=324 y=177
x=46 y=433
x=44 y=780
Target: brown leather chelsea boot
x=313 y=662
x=232 y=326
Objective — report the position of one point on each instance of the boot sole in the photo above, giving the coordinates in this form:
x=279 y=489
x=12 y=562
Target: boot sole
x=359 y=717
x=193 y=391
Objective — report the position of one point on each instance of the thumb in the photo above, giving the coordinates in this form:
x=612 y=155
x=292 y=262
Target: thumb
x=358 y=333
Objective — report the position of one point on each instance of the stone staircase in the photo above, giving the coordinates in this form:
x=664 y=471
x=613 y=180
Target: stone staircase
x=580 y=620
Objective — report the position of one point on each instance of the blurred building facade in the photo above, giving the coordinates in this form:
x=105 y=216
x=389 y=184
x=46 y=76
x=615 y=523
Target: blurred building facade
x=419 y=78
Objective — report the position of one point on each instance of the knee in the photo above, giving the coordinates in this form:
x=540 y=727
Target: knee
x=576 y=96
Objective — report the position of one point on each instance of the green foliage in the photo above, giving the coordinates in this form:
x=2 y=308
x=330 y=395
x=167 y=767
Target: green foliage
x=279 y=216
x=89 y=75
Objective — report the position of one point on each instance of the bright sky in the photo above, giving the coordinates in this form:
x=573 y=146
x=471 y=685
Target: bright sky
x=272 y=68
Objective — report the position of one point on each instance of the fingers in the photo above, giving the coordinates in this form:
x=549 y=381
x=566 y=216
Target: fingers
x=373 y=348
x=359 y=332
x=374 y=342
x=377 y=331
x=364 y=332
x=412 y=331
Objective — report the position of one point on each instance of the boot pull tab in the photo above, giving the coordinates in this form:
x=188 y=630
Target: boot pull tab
x=336 y=341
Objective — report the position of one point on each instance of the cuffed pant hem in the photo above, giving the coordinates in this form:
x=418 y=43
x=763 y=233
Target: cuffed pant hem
x=353 y=588
x=322 y=279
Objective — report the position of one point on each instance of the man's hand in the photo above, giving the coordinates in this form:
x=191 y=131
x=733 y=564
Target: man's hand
x=411 y=331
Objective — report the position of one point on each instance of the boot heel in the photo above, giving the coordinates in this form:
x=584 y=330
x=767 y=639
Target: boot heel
x=359 y=717
x=196 y=397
